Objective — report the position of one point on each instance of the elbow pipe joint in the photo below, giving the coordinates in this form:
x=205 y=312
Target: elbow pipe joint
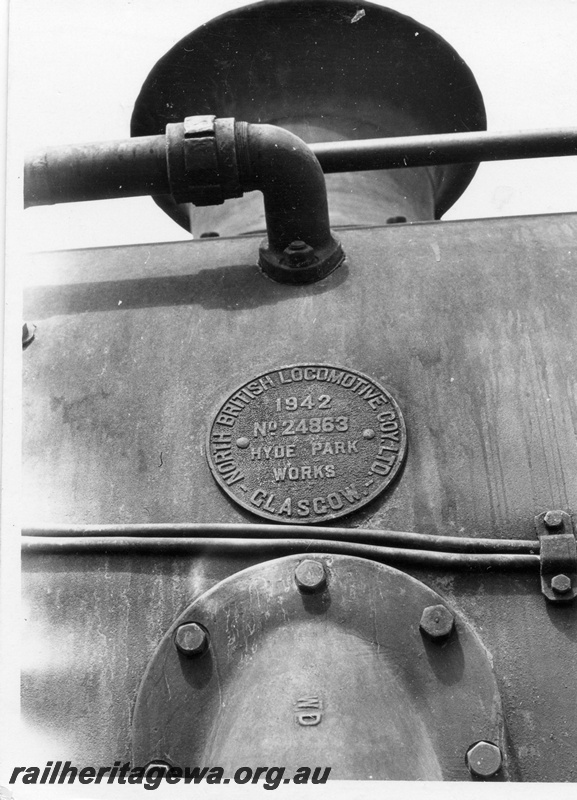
x=205 y=161
x=299 y=247
x=210 y=160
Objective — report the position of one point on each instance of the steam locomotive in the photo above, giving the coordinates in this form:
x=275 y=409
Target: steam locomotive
x=303 y=487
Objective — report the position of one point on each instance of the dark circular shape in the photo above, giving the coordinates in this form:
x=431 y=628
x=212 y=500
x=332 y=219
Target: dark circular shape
x=308 y=460
x=484 y=759
x=318 y=63
x=191 y=639
x=437 y=623
x=311 y=576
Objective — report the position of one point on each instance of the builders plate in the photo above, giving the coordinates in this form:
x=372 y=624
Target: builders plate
x=307 y=443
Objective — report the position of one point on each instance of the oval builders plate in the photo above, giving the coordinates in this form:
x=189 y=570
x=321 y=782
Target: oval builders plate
x=307 y=443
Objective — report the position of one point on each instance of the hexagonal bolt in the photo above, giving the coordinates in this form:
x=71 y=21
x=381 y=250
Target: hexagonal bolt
x=561 y=584
x=484 y=759
x=191 y=639
x=311 y=576
x=437 y=623
x=553 y=519
x=298 y=254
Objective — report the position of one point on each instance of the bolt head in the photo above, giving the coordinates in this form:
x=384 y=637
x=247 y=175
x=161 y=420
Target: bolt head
x=191 y=639
x=553 y=519
x=561 y=584
x=298 y=254
x=311 y=576
x=484 y=760
x=437 y=623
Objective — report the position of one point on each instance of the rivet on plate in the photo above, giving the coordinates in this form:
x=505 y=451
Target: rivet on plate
x=191 y=639
x=437 y=623
x=310 y=576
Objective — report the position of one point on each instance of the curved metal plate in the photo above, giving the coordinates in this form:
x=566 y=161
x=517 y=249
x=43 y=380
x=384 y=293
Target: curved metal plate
x=342 y=678
x=307 y=443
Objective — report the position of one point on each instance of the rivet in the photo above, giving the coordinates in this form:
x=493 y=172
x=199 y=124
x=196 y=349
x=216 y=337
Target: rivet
x=484 y=759
x=310 y=576
x=553 y=519
x=561 y=584
x=368 y=433
x=242 y=442
x=191 y=639
x=437 y=623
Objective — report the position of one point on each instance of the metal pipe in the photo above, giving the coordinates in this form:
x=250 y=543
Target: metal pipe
x=96 y=171
x=290 y=177
x=445 y=148
x=293 y=184
x=137 y=166
x=206 y=161
x=261 y=531
x=257 y=547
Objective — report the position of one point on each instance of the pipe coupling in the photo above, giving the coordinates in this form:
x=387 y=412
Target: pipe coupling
x=201 y=160
x=210 y=160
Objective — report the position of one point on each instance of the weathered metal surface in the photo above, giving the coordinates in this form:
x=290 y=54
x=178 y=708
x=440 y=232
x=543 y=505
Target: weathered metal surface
x=410 y=712
x=558 y=556
x=306 y=443
x=79 y=698
x=470 y=325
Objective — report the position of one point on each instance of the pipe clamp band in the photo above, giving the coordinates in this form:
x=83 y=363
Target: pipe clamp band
x=193 y=162
x=558 y=556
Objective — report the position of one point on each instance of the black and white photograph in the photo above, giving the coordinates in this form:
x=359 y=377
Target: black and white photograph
x=289 y=462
